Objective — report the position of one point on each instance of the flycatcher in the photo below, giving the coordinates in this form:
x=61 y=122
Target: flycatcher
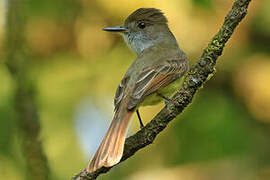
x=152 y=77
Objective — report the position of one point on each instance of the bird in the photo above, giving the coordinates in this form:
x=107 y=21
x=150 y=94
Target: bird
x=155 y=75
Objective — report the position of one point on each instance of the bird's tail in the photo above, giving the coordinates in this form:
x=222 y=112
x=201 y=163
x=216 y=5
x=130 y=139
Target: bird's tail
x=111 y=148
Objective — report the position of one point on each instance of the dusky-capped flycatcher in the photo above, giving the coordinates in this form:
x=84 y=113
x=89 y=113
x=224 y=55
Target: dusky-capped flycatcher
x=153 y=76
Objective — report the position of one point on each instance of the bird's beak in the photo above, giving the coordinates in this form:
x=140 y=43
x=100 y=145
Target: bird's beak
x=115 y=29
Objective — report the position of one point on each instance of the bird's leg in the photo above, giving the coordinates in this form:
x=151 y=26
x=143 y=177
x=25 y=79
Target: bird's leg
x=167 y=100
x=140 y=120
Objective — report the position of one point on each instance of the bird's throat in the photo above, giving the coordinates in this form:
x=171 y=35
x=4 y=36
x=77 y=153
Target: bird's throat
x=137 y=42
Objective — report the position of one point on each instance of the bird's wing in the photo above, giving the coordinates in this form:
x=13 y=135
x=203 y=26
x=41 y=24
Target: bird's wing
x=120 y=92
x=153 y=78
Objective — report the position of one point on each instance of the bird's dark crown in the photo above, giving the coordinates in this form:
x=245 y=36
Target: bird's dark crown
x=148 y=15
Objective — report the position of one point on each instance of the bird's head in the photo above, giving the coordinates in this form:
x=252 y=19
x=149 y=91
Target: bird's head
x=143 y=28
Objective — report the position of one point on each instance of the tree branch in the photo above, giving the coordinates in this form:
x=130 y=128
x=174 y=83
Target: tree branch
x=193 y=81
x=17 y=61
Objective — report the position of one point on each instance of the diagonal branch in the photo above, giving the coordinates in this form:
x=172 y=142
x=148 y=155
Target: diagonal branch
x=193 y=81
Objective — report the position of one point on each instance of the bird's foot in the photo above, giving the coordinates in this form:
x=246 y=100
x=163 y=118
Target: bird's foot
x=140 y=120
x=167 y=100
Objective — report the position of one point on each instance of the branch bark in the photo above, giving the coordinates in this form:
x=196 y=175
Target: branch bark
x=199 y=73
x=17 y=61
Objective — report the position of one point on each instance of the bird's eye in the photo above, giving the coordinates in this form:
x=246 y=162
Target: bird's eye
x=141 y=25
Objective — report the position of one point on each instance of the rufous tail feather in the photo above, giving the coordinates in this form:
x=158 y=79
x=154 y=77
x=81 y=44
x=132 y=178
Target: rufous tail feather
x=111 y=148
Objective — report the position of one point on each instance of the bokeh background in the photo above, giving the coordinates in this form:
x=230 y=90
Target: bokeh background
x=75 y=68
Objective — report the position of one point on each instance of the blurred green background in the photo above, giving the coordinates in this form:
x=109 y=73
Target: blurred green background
x=75 y=68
